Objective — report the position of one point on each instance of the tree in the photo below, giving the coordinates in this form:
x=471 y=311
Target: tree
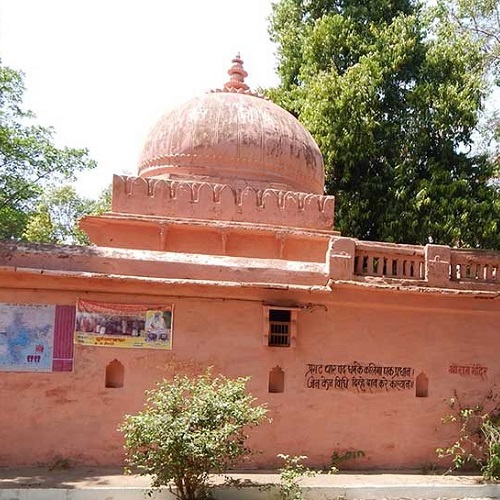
x=479 y=19
x=29 y=160
x=392 y=96
x=189 y=428
x=56 y=215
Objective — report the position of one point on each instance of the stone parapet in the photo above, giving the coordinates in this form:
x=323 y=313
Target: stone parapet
x=431 y=265
x=204 y=200
x=143 y=264
x=479 y=268
x=389 y=259
x=474 y=265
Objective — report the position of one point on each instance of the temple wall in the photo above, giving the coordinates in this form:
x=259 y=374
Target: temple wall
x=72 y=416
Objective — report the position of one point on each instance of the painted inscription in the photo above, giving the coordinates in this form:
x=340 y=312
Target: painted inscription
x=362 y=377
x=474 y=370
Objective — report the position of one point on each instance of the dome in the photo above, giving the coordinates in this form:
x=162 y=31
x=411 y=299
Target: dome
x=233 y=136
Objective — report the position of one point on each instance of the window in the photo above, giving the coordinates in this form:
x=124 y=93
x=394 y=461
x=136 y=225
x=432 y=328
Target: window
x=280 y=326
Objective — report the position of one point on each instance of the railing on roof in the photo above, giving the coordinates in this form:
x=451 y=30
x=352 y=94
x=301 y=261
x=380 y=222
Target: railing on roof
x=394 y=261
x=429 y=265
x=474 y=265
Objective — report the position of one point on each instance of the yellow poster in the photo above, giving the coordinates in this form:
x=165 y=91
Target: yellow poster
x=123 y=325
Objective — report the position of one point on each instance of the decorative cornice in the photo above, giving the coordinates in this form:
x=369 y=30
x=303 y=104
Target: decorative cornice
x=204 y=200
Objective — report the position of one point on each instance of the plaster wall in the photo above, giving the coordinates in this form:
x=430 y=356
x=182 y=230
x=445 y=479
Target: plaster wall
x=73 y=416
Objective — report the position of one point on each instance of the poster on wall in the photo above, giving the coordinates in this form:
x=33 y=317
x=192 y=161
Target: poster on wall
x=123 y=325
x=26 y=337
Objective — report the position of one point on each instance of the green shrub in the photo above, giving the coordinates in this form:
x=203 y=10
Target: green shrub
x=491 y=431
x=478 y=440
x=190 y=427
x=291 y=473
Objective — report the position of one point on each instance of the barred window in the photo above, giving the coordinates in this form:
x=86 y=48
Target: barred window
x=280 y=326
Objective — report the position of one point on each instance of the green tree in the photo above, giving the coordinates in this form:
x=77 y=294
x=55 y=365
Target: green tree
x=29 y=160
x=479 y=19
x=189 y=428
x=56 y=215
x=393 y=97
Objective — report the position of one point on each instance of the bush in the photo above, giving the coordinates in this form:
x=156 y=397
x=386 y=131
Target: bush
x=190 y=427
x=291 y=473
x=478 y=439
x=491 y=431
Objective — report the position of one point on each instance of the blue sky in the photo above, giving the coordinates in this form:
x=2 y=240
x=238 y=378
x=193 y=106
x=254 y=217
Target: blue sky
x=101 y=72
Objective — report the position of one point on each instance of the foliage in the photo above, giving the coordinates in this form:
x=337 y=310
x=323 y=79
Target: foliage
x=491 y=432
x=393 y=98
x=339 y=458
x=290 y=474
x=478 y=440
x=29 y=160
x=189 y=428
x=56 y=216
x=479 y=19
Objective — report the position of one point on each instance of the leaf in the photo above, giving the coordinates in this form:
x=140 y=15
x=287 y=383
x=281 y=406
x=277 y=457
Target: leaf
x=29 y=160
x=393 y=94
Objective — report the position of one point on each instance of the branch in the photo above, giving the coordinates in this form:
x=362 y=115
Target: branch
x=16 y=194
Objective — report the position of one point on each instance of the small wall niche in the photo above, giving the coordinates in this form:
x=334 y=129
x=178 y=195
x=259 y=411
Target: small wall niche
x=422 y=386
x=115 y=373
x=276 y=380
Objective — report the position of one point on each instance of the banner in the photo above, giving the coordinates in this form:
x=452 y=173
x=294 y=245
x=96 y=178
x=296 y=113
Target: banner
x=26 y=337
x=123 y=325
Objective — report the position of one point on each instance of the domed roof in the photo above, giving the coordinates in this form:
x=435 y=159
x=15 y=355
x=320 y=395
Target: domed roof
x=236 y=137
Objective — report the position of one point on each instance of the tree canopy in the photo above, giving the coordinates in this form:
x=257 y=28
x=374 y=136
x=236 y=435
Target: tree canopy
x=29 y=160
x=479 y=19
x=393 y=96
x=56 y=215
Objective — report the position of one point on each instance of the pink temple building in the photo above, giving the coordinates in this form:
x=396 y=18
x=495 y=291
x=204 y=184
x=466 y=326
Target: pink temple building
x=222 y=252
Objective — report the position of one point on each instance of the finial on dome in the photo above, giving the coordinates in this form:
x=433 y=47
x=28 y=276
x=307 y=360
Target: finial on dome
x=237 y=76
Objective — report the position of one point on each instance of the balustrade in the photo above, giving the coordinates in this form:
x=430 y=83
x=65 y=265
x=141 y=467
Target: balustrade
x=388 y=260
x=474 y=265
x=409 y=262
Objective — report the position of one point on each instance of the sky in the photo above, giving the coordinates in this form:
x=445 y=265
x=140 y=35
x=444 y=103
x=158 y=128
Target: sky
x=102 y=72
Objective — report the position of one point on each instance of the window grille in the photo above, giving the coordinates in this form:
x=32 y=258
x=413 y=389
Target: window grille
x=279 y=327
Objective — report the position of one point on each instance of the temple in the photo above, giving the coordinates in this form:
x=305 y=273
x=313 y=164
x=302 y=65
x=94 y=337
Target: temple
x=222 y=252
